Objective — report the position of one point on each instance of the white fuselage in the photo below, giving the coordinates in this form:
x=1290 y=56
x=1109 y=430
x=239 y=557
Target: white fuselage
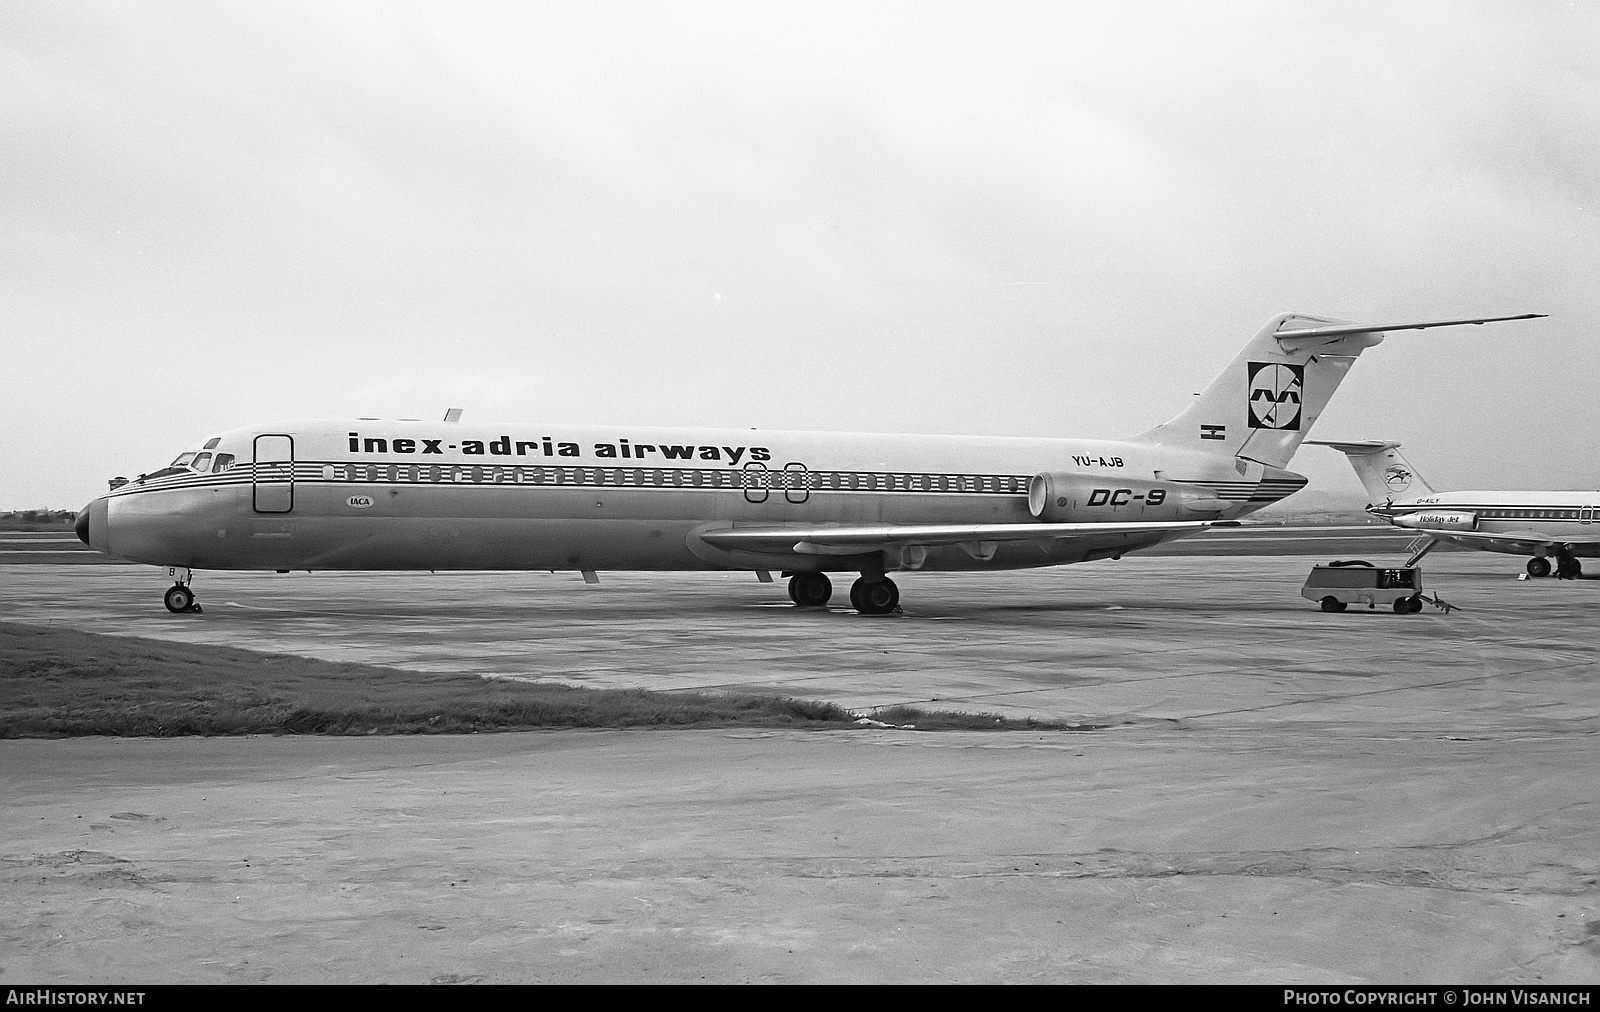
x=1503 y=521
x=381 y=495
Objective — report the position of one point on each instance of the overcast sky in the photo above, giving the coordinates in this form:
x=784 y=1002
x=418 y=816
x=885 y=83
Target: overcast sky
x=999 y=218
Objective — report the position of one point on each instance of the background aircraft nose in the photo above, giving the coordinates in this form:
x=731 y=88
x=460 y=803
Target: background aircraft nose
x=80 y=526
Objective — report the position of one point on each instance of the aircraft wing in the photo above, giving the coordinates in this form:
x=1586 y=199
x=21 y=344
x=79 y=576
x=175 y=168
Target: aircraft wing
x=1510 y=540
x=859 y=538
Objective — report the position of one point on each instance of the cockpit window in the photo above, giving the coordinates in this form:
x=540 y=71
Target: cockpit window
x=224 y=461
x=211 y=444
x=183 y=459
x=201 y=462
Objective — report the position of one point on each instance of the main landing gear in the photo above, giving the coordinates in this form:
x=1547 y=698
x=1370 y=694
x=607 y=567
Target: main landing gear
x=870 y=595
x=1567 y=567
x=810 y=590
x=179 y=598
x=874 y=595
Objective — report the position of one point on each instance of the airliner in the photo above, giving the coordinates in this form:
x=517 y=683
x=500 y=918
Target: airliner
x=1559 y=525
x=371 y=494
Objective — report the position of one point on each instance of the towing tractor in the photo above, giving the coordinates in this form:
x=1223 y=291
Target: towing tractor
x=1338 y=585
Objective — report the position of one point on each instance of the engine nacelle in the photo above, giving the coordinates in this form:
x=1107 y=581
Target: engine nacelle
x=1085 y=498
x=1438 y=520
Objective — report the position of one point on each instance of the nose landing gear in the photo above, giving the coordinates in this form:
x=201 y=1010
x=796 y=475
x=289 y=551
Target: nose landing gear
x=179 y=598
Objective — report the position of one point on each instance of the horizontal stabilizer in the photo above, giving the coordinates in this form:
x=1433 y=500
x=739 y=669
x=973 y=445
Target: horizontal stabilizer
x=1354 y=446
x=1342 y=329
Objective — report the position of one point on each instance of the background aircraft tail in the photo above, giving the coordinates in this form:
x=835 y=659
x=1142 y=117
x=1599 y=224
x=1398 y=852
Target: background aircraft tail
x=1384 y=473
x=1265 y=402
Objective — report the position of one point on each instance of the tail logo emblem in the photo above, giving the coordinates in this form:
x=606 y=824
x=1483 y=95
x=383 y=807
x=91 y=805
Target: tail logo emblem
x=1275 y=390
x=1397 y=478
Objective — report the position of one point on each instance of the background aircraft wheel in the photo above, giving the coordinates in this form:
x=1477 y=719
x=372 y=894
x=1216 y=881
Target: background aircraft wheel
x=1538 y=566
x=874 y=596
x=1568 y=568
x=810 y=590
x=179 y=598
x=1331 y=603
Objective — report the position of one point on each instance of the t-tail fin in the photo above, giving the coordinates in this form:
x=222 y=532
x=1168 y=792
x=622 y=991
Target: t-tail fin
x=1266 y=401
x=1384 y=473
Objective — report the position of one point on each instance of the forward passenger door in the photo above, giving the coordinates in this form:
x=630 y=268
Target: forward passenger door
x=273 y=478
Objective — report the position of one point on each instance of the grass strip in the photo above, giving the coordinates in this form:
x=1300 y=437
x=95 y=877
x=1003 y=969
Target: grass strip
x=57 y=683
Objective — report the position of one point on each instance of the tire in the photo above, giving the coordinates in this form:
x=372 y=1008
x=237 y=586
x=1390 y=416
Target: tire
x=1416 y=604
x=875 y=597
x=178 y=599
x=810 y=590
x=1402 y=606
x=1331 y=603
x=1538 y=566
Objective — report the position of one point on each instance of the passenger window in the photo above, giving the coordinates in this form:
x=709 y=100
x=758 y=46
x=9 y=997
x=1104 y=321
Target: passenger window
x=201 y=462
x=222 y=463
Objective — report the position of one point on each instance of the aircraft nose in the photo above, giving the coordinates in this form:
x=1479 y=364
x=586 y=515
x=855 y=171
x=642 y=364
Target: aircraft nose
x=91 y=526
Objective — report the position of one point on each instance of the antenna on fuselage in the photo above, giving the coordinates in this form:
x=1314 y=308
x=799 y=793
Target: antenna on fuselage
x=452 y=415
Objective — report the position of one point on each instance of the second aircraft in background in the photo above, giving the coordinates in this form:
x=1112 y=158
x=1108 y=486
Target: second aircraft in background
x=1559 y=526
